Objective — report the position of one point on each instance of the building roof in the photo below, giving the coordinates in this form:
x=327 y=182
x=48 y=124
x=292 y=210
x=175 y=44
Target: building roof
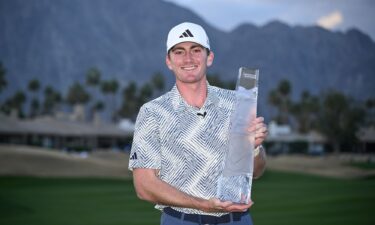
x=291 y=137
x=61 y=127
x=367 y=134
x=284 y=133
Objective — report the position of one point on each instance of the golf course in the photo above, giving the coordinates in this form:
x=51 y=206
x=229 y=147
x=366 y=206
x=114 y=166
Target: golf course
x=48 y=187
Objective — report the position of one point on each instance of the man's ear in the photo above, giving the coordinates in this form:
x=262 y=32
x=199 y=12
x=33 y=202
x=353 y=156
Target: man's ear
x=210 y=58
x=168 y=62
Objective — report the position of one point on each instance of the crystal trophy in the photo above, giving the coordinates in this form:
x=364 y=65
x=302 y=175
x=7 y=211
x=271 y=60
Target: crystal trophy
x=235 y=182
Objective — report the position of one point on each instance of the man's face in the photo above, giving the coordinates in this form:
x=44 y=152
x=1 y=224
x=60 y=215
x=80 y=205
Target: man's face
x=189 y=62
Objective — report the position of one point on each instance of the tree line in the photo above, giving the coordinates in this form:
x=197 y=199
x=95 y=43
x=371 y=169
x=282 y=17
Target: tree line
x=337 y=116
x=95 y=94
x=331 y=113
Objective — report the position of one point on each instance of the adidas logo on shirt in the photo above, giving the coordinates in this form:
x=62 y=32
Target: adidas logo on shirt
x=187 y=33
x=134 y=156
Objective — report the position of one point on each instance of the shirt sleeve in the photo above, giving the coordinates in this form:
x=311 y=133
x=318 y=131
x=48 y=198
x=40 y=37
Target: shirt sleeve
x=145 y=151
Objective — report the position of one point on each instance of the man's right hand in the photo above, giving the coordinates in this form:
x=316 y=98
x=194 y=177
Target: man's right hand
x=216 y=205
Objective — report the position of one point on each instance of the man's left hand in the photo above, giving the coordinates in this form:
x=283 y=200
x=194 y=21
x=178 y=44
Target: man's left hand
x=260 y=128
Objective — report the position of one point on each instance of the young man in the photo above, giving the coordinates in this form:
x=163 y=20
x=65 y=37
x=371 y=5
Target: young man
x=181 y=139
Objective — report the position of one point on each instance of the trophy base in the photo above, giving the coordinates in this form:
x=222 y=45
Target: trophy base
x=234 y=188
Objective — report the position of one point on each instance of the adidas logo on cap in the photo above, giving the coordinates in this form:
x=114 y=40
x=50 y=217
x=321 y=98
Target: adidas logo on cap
x=187 y=32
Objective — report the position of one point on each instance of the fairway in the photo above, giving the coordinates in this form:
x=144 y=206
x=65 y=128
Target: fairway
x=280 y=198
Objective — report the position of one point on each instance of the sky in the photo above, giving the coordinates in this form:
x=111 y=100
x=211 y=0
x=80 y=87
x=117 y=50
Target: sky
x=336 y=15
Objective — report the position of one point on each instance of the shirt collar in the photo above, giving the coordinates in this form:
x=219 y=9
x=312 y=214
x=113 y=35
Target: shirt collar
x=179 y=103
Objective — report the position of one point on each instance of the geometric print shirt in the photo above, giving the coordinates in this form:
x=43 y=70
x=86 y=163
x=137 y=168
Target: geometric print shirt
x=188 y=149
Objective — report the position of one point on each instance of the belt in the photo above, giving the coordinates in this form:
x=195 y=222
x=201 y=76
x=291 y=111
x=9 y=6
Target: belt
x=205 y=219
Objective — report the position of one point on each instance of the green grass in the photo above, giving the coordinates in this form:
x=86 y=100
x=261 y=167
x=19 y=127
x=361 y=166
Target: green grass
x=280 y=198
x=62 y=201
x=363 y=165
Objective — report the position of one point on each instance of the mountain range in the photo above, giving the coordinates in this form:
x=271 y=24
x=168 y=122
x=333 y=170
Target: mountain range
x=58 y=41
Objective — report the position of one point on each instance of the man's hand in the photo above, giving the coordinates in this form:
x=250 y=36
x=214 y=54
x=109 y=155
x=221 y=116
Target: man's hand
x=215 y=205
x=259 y=127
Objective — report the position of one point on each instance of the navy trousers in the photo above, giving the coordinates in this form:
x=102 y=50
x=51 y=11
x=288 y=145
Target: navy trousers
x=172 y=217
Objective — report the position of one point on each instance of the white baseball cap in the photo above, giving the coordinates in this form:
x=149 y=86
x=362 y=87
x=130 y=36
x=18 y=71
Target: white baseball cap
x=187 y=32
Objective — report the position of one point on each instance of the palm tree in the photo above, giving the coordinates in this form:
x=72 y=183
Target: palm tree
x=280 y=98
x=96 y=108
x=158 y=82
x=93 y=77
x=34 y=87
x=130 y=92
x=370 y=111
x=145 y=93
x=99 y=106
x=17 y=102
x=339 y=119
x=215 y=80
x=6 y=107
x=3 y=82
x=34 y=107
x=51 y=99
x=93 y=80
x=306 y=112
x=77 y=97
x=110 y=87
x=129 y=107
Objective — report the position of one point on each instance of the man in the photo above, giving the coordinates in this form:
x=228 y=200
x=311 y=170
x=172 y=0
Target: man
x=181 y=139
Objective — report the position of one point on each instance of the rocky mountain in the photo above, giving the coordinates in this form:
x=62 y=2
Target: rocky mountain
x=58 y=41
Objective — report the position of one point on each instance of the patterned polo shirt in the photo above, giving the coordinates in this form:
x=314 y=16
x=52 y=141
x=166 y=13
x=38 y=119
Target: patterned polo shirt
x=188 y=149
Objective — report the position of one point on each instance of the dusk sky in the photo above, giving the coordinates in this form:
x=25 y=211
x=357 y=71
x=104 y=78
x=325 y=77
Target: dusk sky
x=338 y=15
